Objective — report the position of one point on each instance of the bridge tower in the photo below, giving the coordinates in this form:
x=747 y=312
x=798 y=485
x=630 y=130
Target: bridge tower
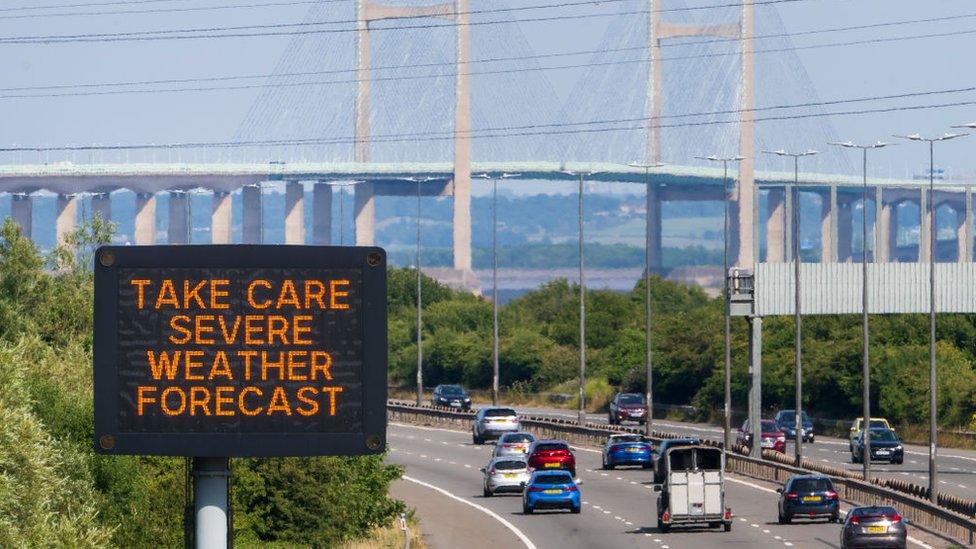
x=743 y=197
x=459 y=12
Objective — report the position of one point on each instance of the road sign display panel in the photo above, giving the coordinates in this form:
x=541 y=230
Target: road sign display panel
x=240 y=350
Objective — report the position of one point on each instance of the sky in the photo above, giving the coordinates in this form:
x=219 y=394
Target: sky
x=862 y=70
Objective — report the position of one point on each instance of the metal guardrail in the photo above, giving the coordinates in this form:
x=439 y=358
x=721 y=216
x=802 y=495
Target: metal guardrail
x=952 y=518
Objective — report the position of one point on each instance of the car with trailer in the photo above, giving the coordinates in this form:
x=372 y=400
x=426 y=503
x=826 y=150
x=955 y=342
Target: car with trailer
x=663 y=447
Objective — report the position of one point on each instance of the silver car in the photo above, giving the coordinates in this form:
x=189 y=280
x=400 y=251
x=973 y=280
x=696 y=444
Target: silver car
x=513 y=444
x=493 y=422
x=505 y=474
x=874 y=526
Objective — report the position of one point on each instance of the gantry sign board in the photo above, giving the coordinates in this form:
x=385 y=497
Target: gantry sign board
x=214 y=351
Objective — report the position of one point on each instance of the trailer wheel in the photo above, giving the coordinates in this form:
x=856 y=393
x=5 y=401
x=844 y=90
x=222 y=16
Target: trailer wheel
x=728 y=527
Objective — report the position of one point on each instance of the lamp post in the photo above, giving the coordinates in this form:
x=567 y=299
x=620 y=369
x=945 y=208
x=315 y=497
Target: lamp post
x=798 y=344
x=725 y=277
x=865 y=334
x=581 y=418
x=933 y=392
x=648 y=366
x=494 y=278
x=420 y=347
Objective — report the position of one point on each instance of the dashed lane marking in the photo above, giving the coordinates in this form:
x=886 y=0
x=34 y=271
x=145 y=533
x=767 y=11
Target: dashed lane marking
x=528 y=543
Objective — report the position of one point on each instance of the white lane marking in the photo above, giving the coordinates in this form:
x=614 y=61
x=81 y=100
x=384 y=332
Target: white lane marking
x=427 y=440
x=466 y=465
x=751 y=485
x=619 y=478
x=920 y=543
x=528 y=543
x=777 y=538
x=617 y=517
x=628 y=523
x=754 y=525
x=788 y=544
x=765 y=531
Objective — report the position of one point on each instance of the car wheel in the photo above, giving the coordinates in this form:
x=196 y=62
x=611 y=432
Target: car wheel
x=812 y=440
x=642 y=422
x=787 y=519
x=835 y=519
x=853 y=458
x=646 y=466
x=609 y=467
x=526 y=510
x=574 y=510
x=780 y=518
x=664 y=528
x=475 y=439
x=487 y=492
x=899 y=461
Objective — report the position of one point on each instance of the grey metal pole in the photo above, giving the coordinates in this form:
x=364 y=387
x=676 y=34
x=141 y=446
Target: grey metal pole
x=582 y=320
x=210 y=502
x=494 y=289
x=728 y=312
x=342 y=222
x=755 y=385
x=933 y=413
x=420 y=347
x=797 y=319
x=649 y=368
x=866 y=365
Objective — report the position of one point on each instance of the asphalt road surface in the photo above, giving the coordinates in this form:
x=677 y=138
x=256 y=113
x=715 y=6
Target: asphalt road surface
x=619 y=506
x=957 y=468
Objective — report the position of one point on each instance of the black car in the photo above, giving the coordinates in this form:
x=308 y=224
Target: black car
x=808 y=496
x=452 y=396
x=662 y=450
x=885 y=446
x=627 y=407
x=786 y=421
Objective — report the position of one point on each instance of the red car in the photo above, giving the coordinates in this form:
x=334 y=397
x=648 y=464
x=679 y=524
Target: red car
x=627 y=407
x=772 y=437
x=551 y=454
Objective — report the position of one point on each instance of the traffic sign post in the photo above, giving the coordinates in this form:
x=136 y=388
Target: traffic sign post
x=214 y=352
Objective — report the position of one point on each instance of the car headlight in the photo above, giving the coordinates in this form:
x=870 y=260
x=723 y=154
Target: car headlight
x=898 y=448
x=467 y=399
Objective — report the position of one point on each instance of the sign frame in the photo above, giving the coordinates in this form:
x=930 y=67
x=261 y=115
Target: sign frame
x=370 y=260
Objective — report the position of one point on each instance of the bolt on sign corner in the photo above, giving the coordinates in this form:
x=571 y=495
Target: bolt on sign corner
x=240 y=350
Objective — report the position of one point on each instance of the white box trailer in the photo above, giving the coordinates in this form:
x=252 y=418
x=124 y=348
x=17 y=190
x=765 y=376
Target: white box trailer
x=693 y=492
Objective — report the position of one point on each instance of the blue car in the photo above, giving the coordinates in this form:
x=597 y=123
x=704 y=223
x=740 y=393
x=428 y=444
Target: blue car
x=626 y=449
x=550 y=490
x=808 y=496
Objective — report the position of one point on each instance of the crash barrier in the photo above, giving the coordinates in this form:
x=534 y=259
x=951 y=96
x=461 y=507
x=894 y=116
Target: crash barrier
x=952 y=518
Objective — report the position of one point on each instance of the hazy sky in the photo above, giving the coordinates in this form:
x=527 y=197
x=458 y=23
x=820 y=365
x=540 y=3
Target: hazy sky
x=836 y=73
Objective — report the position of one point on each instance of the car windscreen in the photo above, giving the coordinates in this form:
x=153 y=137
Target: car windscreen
x=790 y=417
x=769 y=426
x=499 y=412
x=883 y=436
x=630 y=399
x=517 y=437
x=627 y=438
x=878 y=423
x=509 y=465
x=811 y=485
x=551 y=447
x=552 y=479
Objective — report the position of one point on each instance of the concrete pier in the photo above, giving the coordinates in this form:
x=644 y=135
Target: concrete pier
x=22 y=212
x=145 y=221
x=252 y=215
x=67 y=216
x=294 y=213
x=179 y=218
x=220 y=218
x=322 y=214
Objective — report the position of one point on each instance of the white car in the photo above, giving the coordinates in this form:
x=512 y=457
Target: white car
x=493 y=422
x=505 y=474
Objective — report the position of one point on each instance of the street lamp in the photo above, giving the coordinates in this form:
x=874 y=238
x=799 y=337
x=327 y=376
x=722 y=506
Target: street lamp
x=648 y=367
x=494 y=277
x=795 y=230
x=865 y=363
x=341 y=185
x=420 y=348
x=933 y=433
x=582 y=290
x=725 y=277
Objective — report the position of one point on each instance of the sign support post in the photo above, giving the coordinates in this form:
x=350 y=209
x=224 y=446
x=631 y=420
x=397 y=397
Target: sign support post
x=211 y=502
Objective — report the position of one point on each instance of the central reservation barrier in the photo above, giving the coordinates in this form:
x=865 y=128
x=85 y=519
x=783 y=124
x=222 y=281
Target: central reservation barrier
x=952 y=518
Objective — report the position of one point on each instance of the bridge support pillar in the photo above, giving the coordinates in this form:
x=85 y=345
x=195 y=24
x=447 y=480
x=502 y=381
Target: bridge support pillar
x=220 y=218
x=462 y=140
x=22 y=212
x=923 y=226
x=755 y=385
x=251 y=214
x=322 y=214
x=365 y=207
x=67 y=216
x=845 y=231
x=294 y=212
x=102 y=206
x=828 y=226
x=145 y=222
x=965 y=233
x=654 y=221
x=886 y=231
x=776 y=225
x=179 y=218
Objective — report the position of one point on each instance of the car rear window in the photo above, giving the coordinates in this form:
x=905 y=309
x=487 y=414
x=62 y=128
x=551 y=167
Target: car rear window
x=551 y=446
x=879 y=423
x=520 y=437
x=509 y=465
x=552 y=479
x=811 y=485
x=499 y=412
x=627 y=438
x=874 y=511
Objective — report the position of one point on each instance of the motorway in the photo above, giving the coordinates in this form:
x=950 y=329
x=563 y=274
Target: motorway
x=619 y=506
x=957 y=468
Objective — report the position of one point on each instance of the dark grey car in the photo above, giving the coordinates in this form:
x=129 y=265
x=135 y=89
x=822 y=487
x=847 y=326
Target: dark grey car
x=873 y=527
